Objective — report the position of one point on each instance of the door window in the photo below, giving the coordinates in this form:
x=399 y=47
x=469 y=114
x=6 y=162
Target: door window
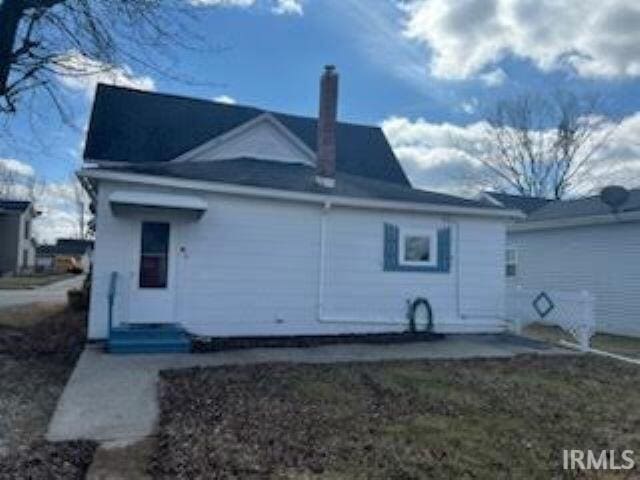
x=154 y=255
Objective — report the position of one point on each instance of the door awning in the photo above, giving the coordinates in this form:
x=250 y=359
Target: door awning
x=123 y=201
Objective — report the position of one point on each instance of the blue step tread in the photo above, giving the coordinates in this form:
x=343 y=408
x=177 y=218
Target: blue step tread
x=153 y=326
x=144 y=334
x=149 y=345
x=149 y=349
x=149 y=338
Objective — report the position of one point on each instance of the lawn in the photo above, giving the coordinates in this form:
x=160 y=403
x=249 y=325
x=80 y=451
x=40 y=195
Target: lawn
x=627 y=346
x=27 y=282
x=21 y=316
x=421 y=419
x=35 y=363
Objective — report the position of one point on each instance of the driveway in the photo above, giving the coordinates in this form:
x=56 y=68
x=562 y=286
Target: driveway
x=114 y=397
x=54 y=293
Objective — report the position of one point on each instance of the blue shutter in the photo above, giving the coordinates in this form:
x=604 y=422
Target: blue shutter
x=444 y=250
x=391 y=233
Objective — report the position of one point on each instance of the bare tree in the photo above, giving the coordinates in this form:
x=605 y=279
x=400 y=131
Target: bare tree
x=16 y=185
x=8 y=181
x=37 y=38
x=81 y=203
x=541 y=146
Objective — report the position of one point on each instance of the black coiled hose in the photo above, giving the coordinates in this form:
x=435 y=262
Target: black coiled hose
x=411 y=314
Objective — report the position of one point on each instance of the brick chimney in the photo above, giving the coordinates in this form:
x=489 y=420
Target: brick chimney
x=326 y=154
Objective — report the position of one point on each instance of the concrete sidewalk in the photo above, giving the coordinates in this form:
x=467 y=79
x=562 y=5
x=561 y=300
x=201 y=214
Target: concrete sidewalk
x=113 y=397
x=52 y=293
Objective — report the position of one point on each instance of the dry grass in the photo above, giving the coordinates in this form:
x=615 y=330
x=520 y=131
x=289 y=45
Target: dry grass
x=35 y=363
x=31 y=281
x=61 y=334
x=30 y=390
x=28 y=315
x=627 y=346
x=486 y=419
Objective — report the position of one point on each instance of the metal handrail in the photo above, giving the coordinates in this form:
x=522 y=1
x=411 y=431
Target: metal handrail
x=111 y=298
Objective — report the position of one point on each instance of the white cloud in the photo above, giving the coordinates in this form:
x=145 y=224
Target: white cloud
x=288 y=7
x=493 y=78
x=56 y=201
x=16 y=167
x=597 y=38
x=79 y=72
x=225 y=99
x=16 y=178
x=469 y=106
x=279 y=7
x=222 y=3
x=59 y=218
x=444 y=156
x=432 y=154
x=373 y=28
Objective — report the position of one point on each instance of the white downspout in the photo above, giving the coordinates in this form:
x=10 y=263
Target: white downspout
x=457 y=279
x=323 y=233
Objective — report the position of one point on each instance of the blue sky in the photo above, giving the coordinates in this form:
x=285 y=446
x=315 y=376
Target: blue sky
x=422 y=68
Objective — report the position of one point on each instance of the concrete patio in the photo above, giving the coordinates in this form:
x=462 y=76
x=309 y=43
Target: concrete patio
x=114 y=398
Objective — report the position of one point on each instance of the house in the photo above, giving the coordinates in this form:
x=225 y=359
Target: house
x=234 y=221
x=17 y=246
x=588 y=244
x=67 y=254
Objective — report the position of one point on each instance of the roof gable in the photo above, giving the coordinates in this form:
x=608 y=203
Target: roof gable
x=262 y=137
x=139 y=127
x=15 y=206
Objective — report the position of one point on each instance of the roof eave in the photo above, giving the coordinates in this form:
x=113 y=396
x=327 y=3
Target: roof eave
x=609 y=218
x=230 y=188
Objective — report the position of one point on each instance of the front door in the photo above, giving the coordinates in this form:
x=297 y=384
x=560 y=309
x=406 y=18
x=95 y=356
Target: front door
x=152 y=279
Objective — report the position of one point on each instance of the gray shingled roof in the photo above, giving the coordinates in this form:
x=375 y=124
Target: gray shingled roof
x=140 y=127
x=582 y=207
x=14 y=205
x=526 y=205
x=295 y=178
x=66 y=246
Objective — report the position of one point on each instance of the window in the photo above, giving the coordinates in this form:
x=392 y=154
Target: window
x=422 y=250
x=27 y=230
x=154 y=255
x=417 y=247
x=511 y=262
x=25 y=259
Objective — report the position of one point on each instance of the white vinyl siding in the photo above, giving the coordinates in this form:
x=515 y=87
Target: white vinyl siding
x=603 y=260
x=251 y=267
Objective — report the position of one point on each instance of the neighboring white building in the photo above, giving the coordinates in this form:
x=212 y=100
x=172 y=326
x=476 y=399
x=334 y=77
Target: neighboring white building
x=580 y=245
x=17 y=246
x=230 y=221
x=67 y=254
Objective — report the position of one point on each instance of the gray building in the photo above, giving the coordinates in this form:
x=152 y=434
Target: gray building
x=590 y=244
x=17 y=247
x=76 y=251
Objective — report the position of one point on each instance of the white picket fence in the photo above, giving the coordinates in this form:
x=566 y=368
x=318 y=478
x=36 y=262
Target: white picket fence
x=571 y=311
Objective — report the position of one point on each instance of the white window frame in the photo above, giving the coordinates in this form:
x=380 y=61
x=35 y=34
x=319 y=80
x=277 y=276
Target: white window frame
x=432 y=234
x=507 y=263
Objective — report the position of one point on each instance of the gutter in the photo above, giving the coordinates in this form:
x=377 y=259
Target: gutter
x=610 y=218
x=226 y=188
